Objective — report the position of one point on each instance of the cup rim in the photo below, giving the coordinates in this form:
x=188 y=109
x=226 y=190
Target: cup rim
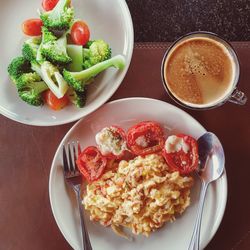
x=219 y=103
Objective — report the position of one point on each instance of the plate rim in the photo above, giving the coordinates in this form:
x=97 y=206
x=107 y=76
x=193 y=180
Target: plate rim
x=129 y=24
x=223 y=178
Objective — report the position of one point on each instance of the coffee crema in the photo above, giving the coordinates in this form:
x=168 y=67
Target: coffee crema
x=199 y=71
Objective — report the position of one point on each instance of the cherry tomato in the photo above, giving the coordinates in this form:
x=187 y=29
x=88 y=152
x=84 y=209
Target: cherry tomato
x=145 y=138
x=91 y=163
x=54 y=102
x=182 y=155
x=32 y=27
x=80 y=33
x=112 y=142
x=49 y=4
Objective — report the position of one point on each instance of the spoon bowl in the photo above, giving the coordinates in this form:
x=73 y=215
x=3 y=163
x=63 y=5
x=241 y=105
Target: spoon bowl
x=211 y=167
x=211 y=157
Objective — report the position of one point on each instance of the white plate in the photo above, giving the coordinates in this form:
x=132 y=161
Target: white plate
x=109 y=20
x=174 y=236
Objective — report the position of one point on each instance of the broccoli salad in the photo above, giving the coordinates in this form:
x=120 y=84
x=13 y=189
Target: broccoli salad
x=58 y=59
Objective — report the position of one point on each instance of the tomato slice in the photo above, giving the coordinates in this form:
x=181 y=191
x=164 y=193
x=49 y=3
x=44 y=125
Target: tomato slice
x=49 y=4
x=181 y=153
x=145 y=138
x=54 y=102
x=112 y=142
x=80 y=33
x=32 y=27
x=91 y=163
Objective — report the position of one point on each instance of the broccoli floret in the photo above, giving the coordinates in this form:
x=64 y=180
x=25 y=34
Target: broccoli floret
x=77 y=98
x=53 y=78
x=29 y=84
x=30 y=48
x=47 y=37
x=17 y=67
x=51 y=49
x=55 y=51
x=60 y=17
x=27 y=78
x=97 y=51
x=88 y=44
x=78 y=80
x=30 y=87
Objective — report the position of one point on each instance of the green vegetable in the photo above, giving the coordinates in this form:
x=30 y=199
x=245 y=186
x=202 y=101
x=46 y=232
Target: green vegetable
x=30 y=48
x=53 y=78
x=29 y=84
x=77 y=98
x=17 y=67
x=27 y=78
x=60 y=18
x=75 y=52
x=47 y=36
x=30 y=87
x=52 y=49
x=47 y=71
x=55 y=51
x=35 y=66
x=78 y=80
x=97 y=51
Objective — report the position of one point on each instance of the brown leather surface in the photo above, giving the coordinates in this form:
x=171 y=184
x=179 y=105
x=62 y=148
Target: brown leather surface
x=26 y=153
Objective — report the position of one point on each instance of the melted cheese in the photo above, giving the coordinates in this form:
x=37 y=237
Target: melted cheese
x=141 y=141
x=175 y=144
x=108 y=143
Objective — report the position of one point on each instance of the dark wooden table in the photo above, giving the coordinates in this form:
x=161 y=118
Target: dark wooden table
x=165 y=21
x=26 y=153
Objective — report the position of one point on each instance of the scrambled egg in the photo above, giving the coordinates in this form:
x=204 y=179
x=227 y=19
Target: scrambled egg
x=142 y=194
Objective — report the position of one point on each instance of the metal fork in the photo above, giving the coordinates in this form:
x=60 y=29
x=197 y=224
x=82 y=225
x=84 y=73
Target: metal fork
x=74 y=179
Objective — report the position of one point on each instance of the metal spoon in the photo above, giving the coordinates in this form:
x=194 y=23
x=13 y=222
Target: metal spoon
x=212 y=161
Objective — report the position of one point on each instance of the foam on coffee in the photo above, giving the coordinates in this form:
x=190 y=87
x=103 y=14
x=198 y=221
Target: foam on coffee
x=199 y=71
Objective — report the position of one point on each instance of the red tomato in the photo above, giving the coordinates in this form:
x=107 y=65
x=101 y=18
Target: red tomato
x=118 y=136
x=54 y=102
x=91 y=163
x=32 y=27
x=80 y=33
x=145 y=138
x=49 y=4
x=183 y=161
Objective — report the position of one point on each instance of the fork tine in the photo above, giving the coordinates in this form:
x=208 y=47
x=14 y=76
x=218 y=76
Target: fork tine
x=74 y=155
x=65 y=161
x=71 y=167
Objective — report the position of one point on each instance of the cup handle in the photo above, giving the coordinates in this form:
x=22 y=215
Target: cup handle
x=238 y=97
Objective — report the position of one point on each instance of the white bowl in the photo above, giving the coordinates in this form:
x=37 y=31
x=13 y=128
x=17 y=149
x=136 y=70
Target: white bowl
x=109 y=20
x=174 y=236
